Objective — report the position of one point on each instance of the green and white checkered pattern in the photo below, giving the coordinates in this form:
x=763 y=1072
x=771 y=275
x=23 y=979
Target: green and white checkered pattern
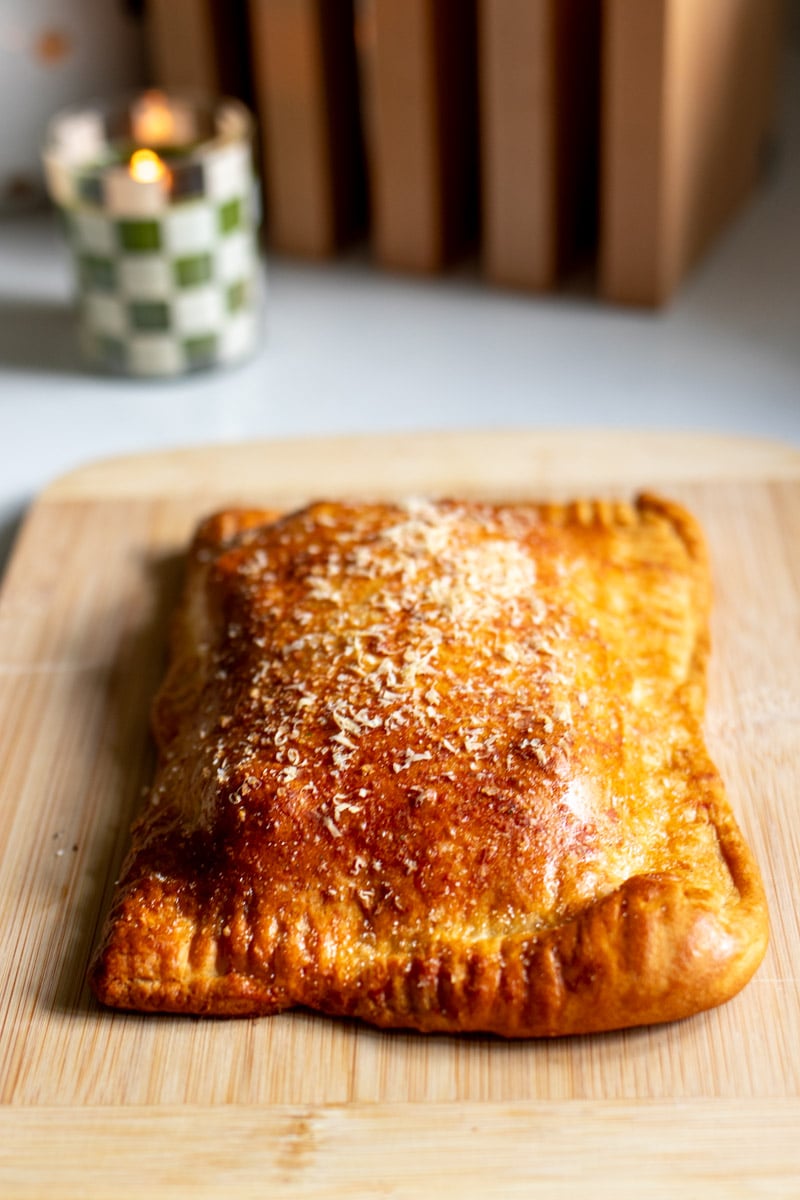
x=168 y=270
x=164 y=294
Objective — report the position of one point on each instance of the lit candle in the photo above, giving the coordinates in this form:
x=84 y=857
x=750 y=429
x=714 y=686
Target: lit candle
x=146 y=167
x=160 y=204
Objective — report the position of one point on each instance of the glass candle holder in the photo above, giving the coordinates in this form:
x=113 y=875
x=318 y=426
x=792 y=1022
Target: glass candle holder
x=159 y=198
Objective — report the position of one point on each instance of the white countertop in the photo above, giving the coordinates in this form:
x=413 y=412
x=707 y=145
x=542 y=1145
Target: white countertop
x=348 y=349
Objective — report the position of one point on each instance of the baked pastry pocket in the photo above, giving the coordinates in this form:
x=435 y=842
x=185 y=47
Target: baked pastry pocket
x=438 y=765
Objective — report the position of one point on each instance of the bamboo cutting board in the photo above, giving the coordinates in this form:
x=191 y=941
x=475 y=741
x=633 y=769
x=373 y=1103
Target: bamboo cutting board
x=98 y=1104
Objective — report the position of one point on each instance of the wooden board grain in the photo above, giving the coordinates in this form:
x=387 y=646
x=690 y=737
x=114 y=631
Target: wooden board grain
x=301 y=1103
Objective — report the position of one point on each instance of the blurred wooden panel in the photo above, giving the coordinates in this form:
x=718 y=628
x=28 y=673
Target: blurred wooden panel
x=688 y=97
x=199 y=45
x=538 y=71
x=423 y=124
x=306 y=87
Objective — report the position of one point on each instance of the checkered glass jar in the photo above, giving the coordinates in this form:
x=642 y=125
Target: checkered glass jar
x=168 y=268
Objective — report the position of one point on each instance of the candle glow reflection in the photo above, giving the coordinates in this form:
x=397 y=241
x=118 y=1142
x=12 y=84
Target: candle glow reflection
x=153 y=121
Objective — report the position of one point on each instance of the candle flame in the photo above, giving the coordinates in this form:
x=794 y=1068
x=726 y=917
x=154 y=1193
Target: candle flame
x=146 y=166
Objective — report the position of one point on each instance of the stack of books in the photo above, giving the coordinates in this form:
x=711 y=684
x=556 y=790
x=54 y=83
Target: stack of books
x=542 y=134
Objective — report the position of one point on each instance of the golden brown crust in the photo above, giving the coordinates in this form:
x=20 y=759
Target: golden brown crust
x=438 y=765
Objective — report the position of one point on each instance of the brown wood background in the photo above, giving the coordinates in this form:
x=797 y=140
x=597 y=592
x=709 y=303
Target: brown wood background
x=94 y=1103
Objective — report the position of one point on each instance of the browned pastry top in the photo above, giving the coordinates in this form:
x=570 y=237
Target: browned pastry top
x=438 y=765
